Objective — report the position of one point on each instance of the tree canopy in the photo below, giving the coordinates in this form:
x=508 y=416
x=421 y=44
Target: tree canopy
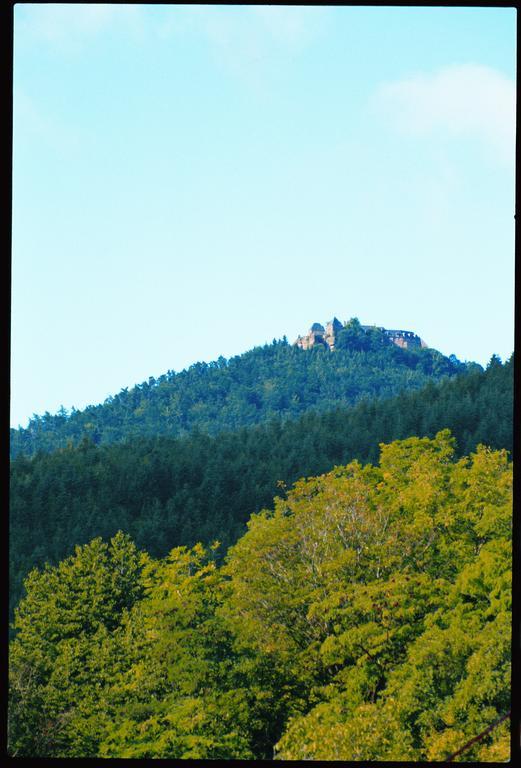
x=167 y=492
x=365 y=615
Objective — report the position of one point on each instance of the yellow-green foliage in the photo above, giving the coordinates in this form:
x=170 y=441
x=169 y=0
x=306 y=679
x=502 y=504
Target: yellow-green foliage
x=388 y=590
x=64 y=656
x=367 y=617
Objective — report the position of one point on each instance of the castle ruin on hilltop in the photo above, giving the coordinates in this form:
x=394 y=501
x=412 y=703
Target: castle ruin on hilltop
x=326 y=337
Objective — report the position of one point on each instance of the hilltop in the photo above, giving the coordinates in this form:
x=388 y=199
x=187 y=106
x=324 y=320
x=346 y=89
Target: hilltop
x=277 y=380
x=337 y=335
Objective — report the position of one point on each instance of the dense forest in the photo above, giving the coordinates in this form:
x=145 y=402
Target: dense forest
x=365 y=616
x=290 y=554
x=165 y=492
x=276 y=380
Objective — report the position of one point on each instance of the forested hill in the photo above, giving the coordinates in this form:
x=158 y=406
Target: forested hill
x=276 y=380
x=167 y=491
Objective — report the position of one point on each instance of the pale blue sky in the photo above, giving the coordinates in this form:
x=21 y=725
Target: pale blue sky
x=193 y=181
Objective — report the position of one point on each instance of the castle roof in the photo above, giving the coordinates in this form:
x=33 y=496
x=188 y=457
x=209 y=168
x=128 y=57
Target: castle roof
x=317 y=327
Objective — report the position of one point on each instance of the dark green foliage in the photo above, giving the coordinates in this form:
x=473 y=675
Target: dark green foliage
x=167 y=492
x=277 y=380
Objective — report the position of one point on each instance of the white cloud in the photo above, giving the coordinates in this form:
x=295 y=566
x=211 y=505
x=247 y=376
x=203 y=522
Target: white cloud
x=245 y=35
x=247 y=41
x=68 y=25
x=240 y=37
x=466 y=100
x=289 y=25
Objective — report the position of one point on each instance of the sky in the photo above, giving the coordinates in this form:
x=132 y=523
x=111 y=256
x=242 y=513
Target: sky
x=194 y=181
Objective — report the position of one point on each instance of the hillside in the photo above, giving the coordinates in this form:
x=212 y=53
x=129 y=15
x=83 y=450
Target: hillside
x=365 y=616
x=167 y=491
x=276 y=380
